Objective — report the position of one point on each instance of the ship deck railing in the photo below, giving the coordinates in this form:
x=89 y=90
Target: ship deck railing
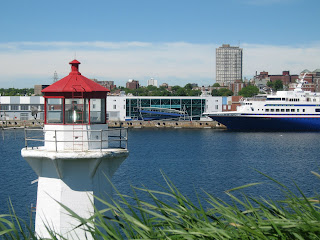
x=253 y=99
x=117 y=138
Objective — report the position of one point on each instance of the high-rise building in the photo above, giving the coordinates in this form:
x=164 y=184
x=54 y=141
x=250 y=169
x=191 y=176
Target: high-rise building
x=228 y=64
x=153 y=82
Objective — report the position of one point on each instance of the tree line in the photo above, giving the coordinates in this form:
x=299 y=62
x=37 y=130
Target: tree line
x=161 y=91
x=187 y=90
x=16 y=91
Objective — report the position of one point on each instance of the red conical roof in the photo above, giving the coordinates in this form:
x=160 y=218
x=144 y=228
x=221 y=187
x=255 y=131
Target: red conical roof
x=75 y=82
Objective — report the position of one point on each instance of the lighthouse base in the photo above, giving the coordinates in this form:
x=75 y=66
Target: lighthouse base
x=70 y=179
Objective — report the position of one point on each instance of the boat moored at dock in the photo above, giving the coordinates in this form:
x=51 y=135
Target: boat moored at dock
x=296 y=110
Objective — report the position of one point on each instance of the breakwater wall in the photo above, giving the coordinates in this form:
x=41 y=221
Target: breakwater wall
x=128 y=124
x=167 y=124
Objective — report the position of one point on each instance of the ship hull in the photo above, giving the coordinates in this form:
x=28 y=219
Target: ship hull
x=249 y=123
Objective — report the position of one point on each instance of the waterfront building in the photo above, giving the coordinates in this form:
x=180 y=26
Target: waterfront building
x=119 y=108
x=19 y=107
x=228 y=64
x=189 y=108
x=153 y=82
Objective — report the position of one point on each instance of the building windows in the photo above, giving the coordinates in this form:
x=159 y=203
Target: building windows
x=14 y=107
x=24 y=116
x=26 y=107
x=4 y=107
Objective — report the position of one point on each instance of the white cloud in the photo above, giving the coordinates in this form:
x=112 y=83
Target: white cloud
x=24 y=64
x=268 y=2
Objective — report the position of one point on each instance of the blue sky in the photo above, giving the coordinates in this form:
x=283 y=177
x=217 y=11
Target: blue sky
x=173 y=41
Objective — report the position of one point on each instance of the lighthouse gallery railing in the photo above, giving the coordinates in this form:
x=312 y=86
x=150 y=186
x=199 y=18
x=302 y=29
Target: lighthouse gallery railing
x=116 y=138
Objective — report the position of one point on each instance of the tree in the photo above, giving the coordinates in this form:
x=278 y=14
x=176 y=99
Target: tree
x=225 y=92
x=215 y=92
x=221 y=92
x=188 y=86
x=278 y=85
x=270 y=84
x=249 y=91
x=216 y=85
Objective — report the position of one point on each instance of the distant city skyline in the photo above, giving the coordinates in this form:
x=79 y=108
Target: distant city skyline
x=171 y=41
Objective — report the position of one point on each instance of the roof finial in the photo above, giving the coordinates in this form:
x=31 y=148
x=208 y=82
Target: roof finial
x=75 y=67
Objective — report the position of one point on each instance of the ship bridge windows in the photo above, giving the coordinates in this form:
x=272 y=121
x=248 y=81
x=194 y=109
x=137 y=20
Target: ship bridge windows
x=273 y=99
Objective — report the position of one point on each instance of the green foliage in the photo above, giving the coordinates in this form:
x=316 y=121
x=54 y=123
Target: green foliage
x=221 y=92
x=176 y=217
x=270 y=84
x=162 y=91
x=249 y=91
x=16 y=91
x=216 y=85
x=276 y=85
x=168 y=214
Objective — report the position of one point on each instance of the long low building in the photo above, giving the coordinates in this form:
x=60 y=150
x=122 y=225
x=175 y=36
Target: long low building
x=122 y=108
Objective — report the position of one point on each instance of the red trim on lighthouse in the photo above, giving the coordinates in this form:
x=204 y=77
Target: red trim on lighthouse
x=74 y=82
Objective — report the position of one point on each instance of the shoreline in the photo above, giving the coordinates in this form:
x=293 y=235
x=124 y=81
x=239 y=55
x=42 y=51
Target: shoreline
x=127 y=124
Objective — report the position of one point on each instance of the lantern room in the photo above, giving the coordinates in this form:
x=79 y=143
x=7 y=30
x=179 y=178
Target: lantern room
x=75 y=99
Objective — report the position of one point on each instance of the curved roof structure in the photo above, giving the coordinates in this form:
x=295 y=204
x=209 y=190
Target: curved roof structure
x=75 y=82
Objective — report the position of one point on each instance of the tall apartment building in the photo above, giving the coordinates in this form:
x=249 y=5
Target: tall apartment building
x=228 y=64
x=153 y=82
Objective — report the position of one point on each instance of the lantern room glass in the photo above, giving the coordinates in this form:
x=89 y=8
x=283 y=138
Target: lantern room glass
x=54 y=110
x=97 y=110
x=76 y=111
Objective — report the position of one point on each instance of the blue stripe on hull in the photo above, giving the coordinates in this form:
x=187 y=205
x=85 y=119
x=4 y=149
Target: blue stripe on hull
x=268 y=124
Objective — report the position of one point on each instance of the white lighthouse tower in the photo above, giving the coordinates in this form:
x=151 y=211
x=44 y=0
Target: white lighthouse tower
x=76 y=156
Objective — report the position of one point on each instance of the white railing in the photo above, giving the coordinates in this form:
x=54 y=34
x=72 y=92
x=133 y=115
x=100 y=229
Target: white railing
x=115 y=138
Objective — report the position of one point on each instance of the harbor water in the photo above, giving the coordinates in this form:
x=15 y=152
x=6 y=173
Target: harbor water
x=193 y=159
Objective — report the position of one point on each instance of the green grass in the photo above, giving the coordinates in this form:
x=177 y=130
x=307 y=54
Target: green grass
x=168 y=214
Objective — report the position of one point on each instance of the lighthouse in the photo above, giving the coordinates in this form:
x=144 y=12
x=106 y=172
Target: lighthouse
x=77 y=155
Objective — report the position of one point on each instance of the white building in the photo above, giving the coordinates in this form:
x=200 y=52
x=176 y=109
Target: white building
x=228 y=64
x=153 y=82
x=119 y=108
